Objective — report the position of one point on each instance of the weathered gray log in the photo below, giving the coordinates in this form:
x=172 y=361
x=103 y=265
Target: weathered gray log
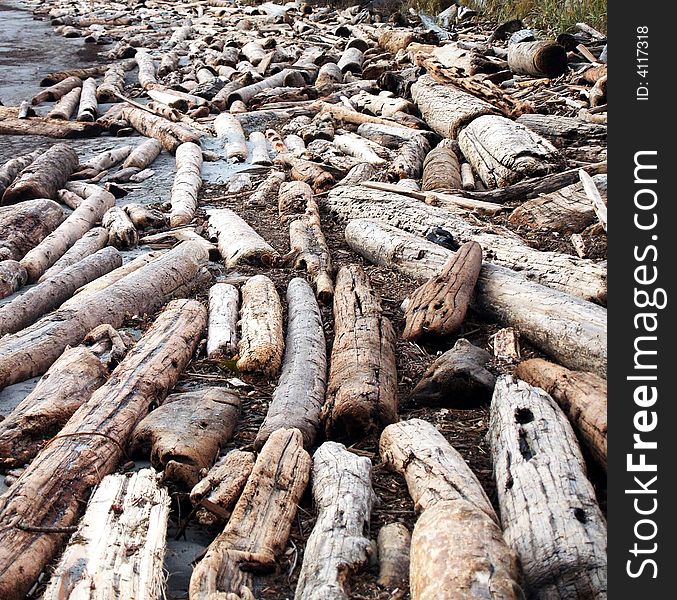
x=25 y=225
x=106 y=160
x=329 y=74
x=337 y=547
x=285 y=78
x=299 y=396
x=224 y=302
x=292 y=199
x=171 y=135
x=267 y=190
x=144 y=154
x=410 y=159
x=187 y=184
x=391 y=136
x=362 y=384
x=113 y=84
x=548 y=507
x=10 y=170
x=121 y=231
x=543 y=58
x=66 y=106
x=89 y=107
x=562 y=131
x=351 y=61
x=143 y=216
x=230 y=134
x=563 y=326
x=56 y=91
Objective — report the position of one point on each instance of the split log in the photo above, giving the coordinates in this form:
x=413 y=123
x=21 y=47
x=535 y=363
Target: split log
x=146 y=74
x=441 y=170
x=38 y=499
x=459 y=378
x=259 y=149
x=10 y=170
x=187 y=184
x=262 y=343
x=66 y=105
x=582 y=278
x=230 y=134
x=258 y=530
x=351 y=61
x=506 y=345
x=12 y=277
x=503 y=151
x=538 y=59
x=183 y=435
x=285 y=78
x=143 y=155
x=267 y=190
x=548 y=507
x=113 y=84
x=458 y=523
x=89 y=107
x=224 y=300
x=33 y=350
x=56 y=91
x=220 y=489
x=144 y=216
x=394 y=543
x=237 y=241
x=293 y=198
x=582 y=396
x=66 y=386
x=362 y=385
x=329 y=74
x=53 y=291
x=409 y=161
x=357 y=146
x=106 y=160
x=44 y=176
x=119 y=545
x=446 y=108
x=337 y=547
x=595 y=198
x=307 y=171
x=25 y=225
x=563 y=326
x=439 y=306
x=171 y=135
x=55 y=245
x=121 y=231
x=299 y=396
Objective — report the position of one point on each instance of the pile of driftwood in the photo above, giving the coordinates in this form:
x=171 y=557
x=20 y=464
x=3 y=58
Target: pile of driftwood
x=442 y=144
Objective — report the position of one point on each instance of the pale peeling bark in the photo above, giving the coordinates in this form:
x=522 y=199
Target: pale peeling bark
x=25 y=225
x=258 y=530
x=113 y=84
x=54 y=246
x=394 y=543
x=144 y=154
x=237 y=241
x=576 y=276
x=146 y=73
x=262 y=343
x=358 y=174
x=362 y=385
x=446 y=108
x=299 y=396
x=53 y=291
x=119 y=546
x=502 y=151
x=10 y=170
x=230 y=134
x=121 y=231
x=187 y=184
x=224 y=303
x=12 y=277
x=391 y=136
x=183 y=435
x=31 y=351
x=563 y=131
x=83 y=459
x=548 y=508
x=337 y=546
x=43 y=176
x=582 y=396
x=571 y=330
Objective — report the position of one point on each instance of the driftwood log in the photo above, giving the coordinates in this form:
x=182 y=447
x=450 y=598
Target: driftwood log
x=56 y=91
x=441 y=170
x=66 y=105
x=89 y=107
x=409 y=161
x=548 y=507
x=362 y=384
x=230 y=134
x=187 y=184
x=299 y=396
x=10 y=170
x=394 y=546
x=121 y=231
x=144 y=154
x=82 y=458
x=258 y=530
x=170 y=135
x=24 y=225
x=292 y=199
x=539 y=59
x=12 y=277
x=337 y=546
x=224 y=302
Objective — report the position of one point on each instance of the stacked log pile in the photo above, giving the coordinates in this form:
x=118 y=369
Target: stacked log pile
x=404 y=195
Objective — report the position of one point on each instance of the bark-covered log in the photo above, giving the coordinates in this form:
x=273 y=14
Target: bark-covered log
x=439 y=306
x=66 y=106
x=25 y=225
x=337 y=547
x=230 y=134
x=446 y=108
x=55 y=245
x=299 y=396
x=144 y=154
x=576 y=276
x=119 y=544
x=224 y=302
x=459 y=378
x=548 y=507
x=81 y=458
x=441 y=170
x=31 y=351
x=262 y=342
x=10 y=170
x=12 y=124
x=293 y=198
x=362 y=385
x=89 y=107
x=307 y=171
x=237 y=241
x=503 y=151
x=582 y=396
x=121 y=231
x=506 y=345
x=56 y=91
x=113 y=84
x=12 y=277
x=258 y=530
x=66 y=386
x=394 y=543
x=44 y=176
x=53 y=291
x=187 y=184
x=563 y=326
x=543 y=58
x=409 y=161
x=184 y=434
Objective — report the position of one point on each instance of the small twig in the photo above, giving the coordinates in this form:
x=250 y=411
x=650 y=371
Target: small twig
x=45 y=529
